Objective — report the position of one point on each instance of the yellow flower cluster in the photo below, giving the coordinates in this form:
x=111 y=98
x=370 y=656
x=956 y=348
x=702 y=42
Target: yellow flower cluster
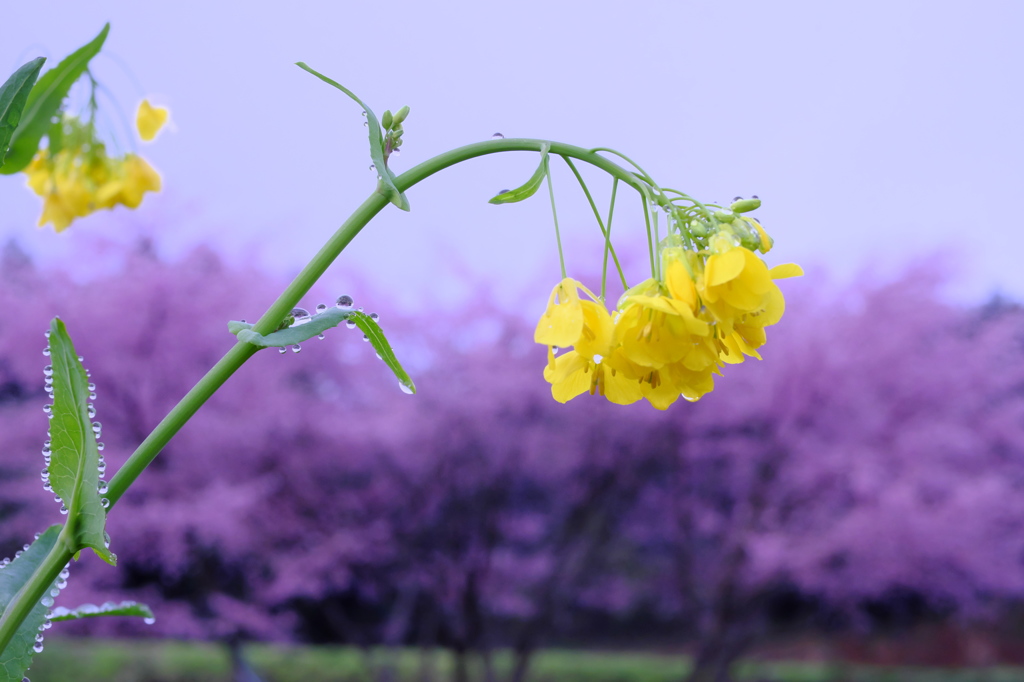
x=80 y=177
x=669 y=336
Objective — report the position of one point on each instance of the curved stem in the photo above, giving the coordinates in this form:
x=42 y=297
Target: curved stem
x=289 y=298
x=605 y=232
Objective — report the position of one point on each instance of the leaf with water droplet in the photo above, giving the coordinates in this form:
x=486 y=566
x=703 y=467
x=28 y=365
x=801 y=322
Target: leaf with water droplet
x=45 y=100
x=511 y=196
x=125 y=608
x=320 y=323
x=17 y=657
x=74 y=458
x=13 y=97
x=386 y=183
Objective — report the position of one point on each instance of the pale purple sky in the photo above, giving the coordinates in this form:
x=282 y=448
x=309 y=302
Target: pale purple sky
x=875 y=132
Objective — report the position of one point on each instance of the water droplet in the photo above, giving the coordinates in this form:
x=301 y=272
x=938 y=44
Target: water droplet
x=64 y=573
x=54 y=593
x=106 y=539
x=45 y=474
x=351 y=324
x=378 y=356
x=92 y=396
x=282 y=350
x=405 y=389
x=365 y=337
x=48 y=488
x=373 y=167
x=754 y=196
x=47 y=333
x=320 y=307
x=17 y=554
x=374 y=316
x=48 y=371
x=301 y=316
x=360 y=308
x=102 y=488
x=63 y=510
x=344 y=301
x=25 y=548
x=598 y=358
x=101 y=468
x=100 y=446
x=37 y=647
x=364 y=114
x=46 y=625
x=37 y=536
x=61 y=584
x=554 y=350
x=91 y=410
x=46 y=351
x=149 y=620
x=47 y=408
x=320 y=336
x=47 y=444
x=81 y=359
x=296 y=348
x=497 y=136
x=366 y=123
x=97 y=427
x=104 y=502
x=396 y=153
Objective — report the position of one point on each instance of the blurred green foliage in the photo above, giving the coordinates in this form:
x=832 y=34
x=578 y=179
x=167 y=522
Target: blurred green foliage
x=80 y=660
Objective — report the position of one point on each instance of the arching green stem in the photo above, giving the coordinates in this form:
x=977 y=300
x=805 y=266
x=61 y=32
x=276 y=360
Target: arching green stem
x=302 y=283
x=604 y=231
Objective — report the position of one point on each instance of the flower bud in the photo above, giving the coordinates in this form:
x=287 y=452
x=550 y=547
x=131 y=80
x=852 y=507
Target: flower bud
x=387 y=119
x=745 y=205
x=725 y=216
x=402 y=114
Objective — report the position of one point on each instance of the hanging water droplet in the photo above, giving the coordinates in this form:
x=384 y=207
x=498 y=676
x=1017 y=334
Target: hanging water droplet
x=301 y=316
x=101 y=468
x=47 y=408
x=360 y=308
x=106 y=539
x=92 y=396
x=405 y=389
x=754 y=196
x=17 y=554
x=364 y=113
x=351 y=324
x=38 y=648
x=97 y=428
x=320 y=307
x=100 y=446
x=46 y=624
x=46 y=601
x=45 y=474
x=37 y=536
x=54 y=593
x=61 y=584
x=149 y=620
x=396 y=153
x=378 y=356
x=102 y=488
x=373 y=167
x=296 y=348
x=46 y=444
x=374 y=316
x=497 y=136
x=81 y=359
x=282 y=350
x=91 y=410
x=48 y=371
x=344 y=301
x=46 y=351
x=366 y=123
x=48 y=488
x=554 y=350
x=104 y=502
x=63 y=510
x=320 y=336
x=365 y=337
x=25 y=547
x=47 y=333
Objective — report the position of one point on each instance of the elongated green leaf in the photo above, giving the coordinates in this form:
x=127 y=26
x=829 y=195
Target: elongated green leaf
x=13 y=96
x=74 y=457
x=318 y=324
x=530 y=188
x=125 y=608
x=386 y=184
x=45 y=100
x=17 y=657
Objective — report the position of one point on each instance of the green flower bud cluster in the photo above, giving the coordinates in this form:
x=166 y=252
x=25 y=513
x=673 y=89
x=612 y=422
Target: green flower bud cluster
x=393 y=130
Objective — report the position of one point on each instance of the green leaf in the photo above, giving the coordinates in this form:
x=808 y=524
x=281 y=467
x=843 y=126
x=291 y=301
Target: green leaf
x=17 y=657
x=317 y=325
x=45 y=101
x=530 y=188
x=13 y=96
x=74 y=457
x=386 y=184
x=125 y=608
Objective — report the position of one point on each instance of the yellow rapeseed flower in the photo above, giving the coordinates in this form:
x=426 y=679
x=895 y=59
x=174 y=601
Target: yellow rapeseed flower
x=149 y=120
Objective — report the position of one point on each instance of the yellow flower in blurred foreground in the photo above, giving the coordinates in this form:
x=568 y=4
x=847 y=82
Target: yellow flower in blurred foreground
x=149 y=120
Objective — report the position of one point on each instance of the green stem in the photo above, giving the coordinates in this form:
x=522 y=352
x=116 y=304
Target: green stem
x=201 y=392
x=604 y=232
x=554 y=214
x=35 y=589
x=608 y=237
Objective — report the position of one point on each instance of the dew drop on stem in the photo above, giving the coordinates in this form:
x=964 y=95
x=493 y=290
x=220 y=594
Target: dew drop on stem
x=320 y=307
x=405 y=389
x=497 y=136
x=344 y=302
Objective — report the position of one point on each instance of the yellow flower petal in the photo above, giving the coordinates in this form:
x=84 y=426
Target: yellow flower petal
x=562 y=321
x=149 y=120
x=786 y=270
